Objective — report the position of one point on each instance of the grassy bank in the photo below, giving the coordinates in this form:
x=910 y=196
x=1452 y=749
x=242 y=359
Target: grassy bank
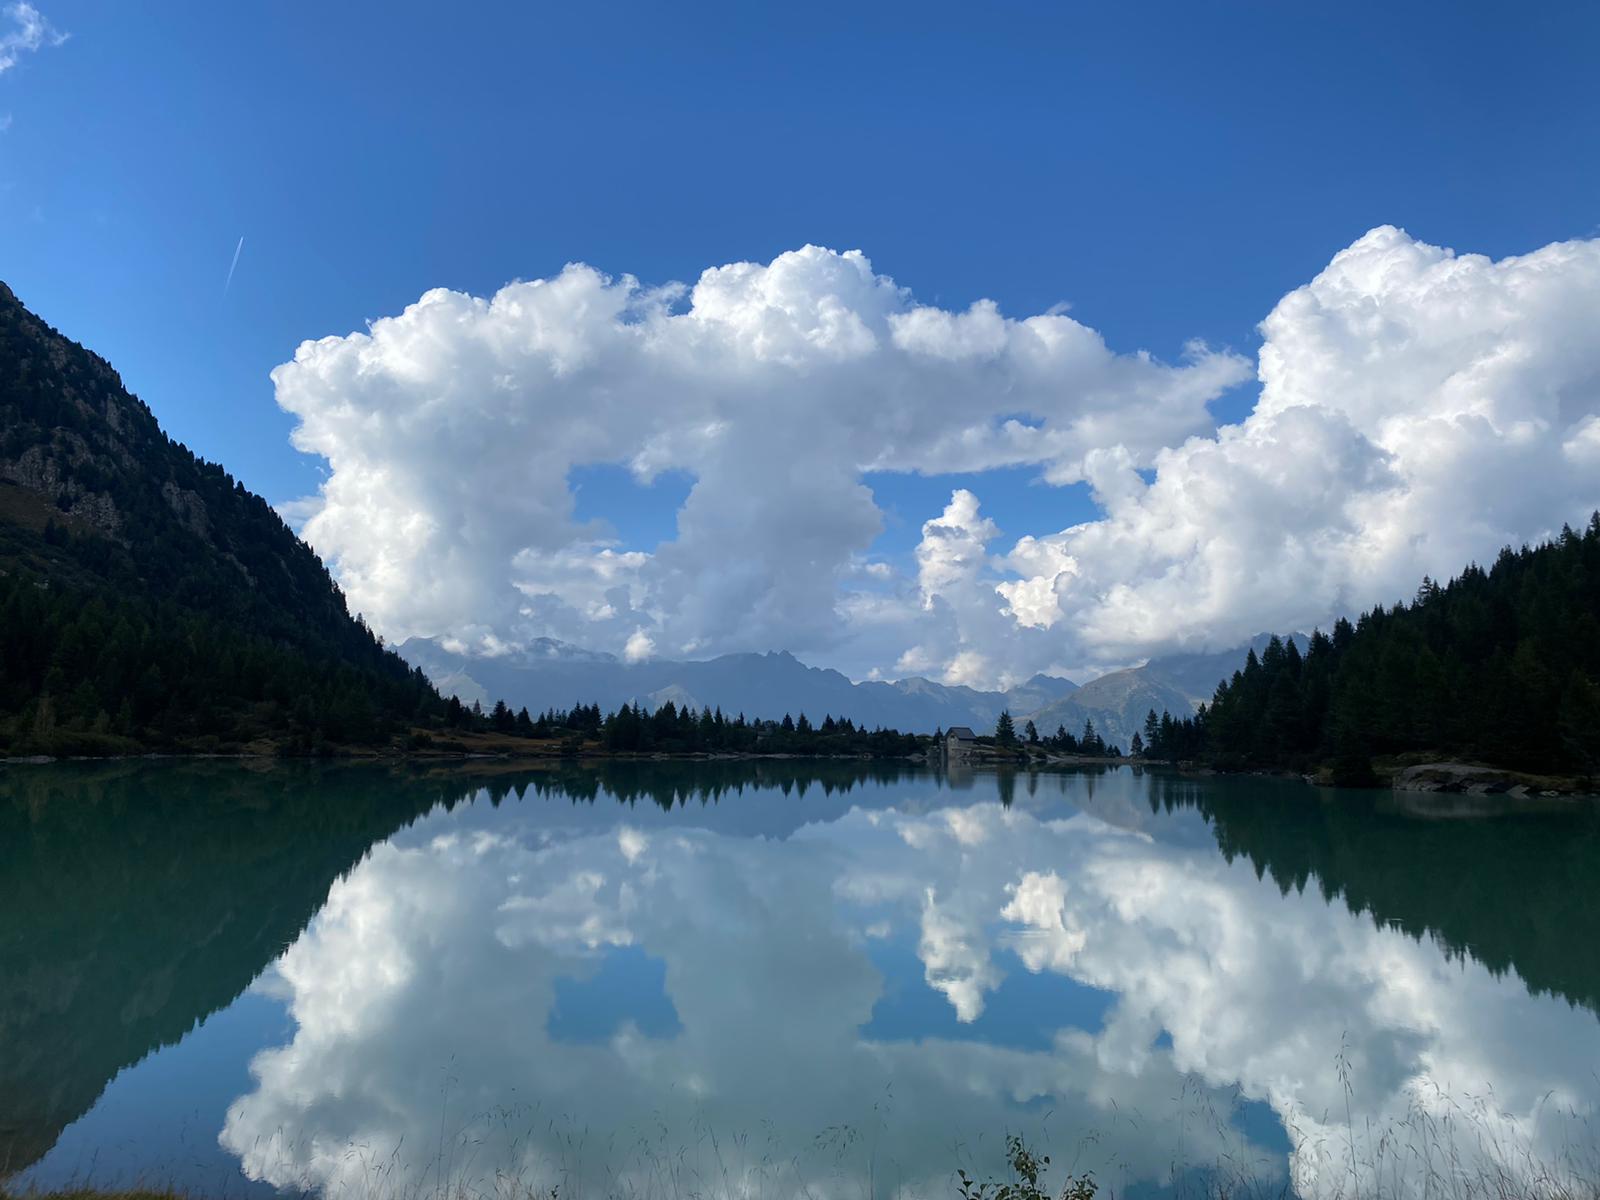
x=1439 y=1169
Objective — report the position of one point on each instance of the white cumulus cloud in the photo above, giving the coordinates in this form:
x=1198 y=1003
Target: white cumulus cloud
x=450 y=431
x=1418 y=409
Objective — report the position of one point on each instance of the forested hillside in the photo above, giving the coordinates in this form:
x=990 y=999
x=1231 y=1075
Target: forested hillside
x=147 y=599
x=1500 y=666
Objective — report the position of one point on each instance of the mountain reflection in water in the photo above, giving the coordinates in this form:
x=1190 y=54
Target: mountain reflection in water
x=784 y=977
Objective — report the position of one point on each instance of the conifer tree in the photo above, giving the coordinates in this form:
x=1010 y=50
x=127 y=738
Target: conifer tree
x=1005 y=732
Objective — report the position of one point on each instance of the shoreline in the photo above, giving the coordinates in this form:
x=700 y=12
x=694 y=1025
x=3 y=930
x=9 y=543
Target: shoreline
x=1435 y=789
x=436 y=756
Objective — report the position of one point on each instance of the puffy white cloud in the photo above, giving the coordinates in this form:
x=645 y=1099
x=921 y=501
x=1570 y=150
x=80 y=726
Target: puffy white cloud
x=1418 y=409
x=966 y=635
x=638 y=647
x=952 y=548
x=30 y=31
x=450 y=431
x=955 y=591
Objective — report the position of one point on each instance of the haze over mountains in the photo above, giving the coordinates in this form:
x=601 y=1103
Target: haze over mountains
x=551 y=674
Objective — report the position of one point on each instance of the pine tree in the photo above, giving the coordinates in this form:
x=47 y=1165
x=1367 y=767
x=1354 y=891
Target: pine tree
x=1005 y=733
x=501 y=719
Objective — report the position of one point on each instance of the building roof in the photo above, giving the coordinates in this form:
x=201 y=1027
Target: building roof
x=962 y=733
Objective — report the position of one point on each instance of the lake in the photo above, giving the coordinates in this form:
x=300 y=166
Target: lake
x=674 y=980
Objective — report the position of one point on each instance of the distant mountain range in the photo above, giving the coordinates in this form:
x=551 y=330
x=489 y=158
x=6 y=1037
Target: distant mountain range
x=1119 y=701
x=551 y=674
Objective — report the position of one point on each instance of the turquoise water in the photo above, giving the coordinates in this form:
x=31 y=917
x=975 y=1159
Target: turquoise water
x=785 y=979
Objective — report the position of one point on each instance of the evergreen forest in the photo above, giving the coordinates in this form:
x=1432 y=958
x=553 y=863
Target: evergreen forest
x=1499 y=666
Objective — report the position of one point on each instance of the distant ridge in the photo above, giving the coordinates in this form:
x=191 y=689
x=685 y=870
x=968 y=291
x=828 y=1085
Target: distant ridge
x=550 y=674
x=759 y=685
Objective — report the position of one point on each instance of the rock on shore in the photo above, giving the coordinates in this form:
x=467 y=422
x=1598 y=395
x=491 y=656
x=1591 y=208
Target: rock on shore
x=1474 y=781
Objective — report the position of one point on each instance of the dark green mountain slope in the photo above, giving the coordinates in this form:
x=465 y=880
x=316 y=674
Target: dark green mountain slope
x=1500 y=666
x=147 y=598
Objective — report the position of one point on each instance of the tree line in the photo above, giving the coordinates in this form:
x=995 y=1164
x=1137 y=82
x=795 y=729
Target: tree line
x=1500 y=666
x=1089 y=743
x=95 y=670
x=681 y=729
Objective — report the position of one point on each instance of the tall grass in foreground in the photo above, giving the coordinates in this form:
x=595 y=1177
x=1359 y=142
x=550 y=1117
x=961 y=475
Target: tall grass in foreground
x=1440 y=1150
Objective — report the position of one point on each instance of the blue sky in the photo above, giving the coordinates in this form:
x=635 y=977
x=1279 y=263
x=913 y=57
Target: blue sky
x=1169 y=171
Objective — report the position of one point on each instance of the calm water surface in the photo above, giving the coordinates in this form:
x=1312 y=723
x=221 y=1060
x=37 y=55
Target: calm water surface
x=677 y=980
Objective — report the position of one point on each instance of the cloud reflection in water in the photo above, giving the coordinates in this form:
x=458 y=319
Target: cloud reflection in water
x=430 y=996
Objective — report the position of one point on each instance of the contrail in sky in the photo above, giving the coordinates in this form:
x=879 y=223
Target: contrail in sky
x=233 y=266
